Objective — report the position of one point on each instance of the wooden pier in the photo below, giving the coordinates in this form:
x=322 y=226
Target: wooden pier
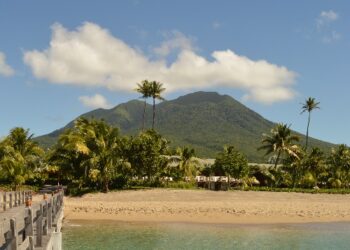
x=25 y=226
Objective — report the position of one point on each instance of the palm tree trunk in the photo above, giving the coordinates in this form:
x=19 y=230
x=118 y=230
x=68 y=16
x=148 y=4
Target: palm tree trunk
x=144 y=116
x=294 y=177
x=154 y=111
x=307 y=131
x=277 y=159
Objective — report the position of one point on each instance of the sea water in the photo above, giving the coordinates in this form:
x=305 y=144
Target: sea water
x=122 y=235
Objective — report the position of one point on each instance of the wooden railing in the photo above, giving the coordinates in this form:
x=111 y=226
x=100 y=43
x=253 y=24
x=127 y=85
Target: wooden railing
x=9 y=200
x=34 y=227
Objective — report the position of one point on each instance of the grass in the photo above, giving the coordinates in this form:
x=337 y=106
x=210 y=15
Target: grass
x=301 y=190
x=189 y=185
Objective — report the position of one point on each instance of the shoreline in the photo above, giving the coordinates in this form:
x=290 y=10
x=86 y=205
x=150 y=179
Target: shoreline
x=252 y=220
x=201 y=206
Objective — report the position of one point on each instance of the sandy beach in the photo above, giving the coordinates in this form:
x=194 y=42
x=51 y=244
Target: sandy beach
x=165 y=205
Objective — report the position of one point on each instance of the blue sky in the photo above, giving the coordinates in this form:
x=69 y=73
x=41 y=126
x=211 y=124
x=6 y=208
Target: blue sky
x=59 y=59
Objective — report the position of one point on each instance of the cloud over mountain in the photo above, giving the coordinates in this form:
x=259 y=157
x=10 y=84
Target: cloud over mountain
x=92 y=56
x=95 y=101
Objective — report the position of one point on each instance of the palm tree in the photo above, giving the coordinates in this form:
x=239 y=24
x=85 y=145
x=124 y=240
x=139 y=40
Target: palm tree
x=188 y=163
x=19 y=156
x=144 y=88
x=339 y=166
x=90 y=147
x=309 y=105
x=156 y=90
x=315 y=163
x=280 y=141
x=104 y=145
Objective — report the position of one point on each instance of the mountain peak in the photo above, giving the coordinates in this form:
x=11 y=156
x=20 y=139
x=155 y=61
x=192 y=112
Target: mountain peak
x=201 y=96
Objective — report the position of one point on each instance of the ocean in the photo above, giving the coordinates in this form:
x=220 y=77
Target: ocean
x=101 y=235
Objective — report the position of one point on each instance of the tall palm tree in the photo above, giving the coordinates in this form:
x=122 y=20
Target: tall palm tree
x=309 y=105
x=280 y=141
x=156 y=91
x=144 y=88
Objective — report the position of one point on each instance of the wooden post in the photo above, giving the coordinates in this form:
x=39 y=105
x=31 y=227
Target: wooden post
x=15 y=203
x=45 y=218
x=23 y=197
x=39 y=226
x=5 y=201
x=49 y=214
x=28 y=224
x=14 y=234
x=31 y=243
x=10 y=200
x=54 y=208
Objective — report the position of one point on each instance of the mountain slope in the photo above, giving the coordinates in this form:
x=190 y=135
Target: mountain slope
x=203 y=120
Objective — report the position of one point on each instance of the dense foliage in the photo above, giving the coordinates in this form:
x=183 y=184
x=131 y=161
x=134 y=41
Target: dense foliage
x=93 y=155
x=231 y=162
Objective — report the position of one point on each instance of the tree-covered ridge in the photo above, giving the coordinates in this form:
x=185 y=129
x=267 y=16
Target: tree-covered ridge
x=93 y=155
x=204 y=121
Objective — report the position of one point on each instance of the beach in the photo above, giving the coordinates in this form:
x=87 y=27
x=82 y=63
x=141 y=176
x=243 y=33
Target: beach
x=201 y=206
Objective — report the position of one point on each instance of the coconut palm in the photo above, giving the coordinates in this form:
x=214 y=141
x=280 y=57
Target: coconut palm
x=104 y=145
x=187 y=161
x=144 y=88
x=19 y=156
x=156 y=90
x=280 y=141
x=90 y=148
x=71 y=154
x=339 y=166
x=309 y=105
x=315 y=163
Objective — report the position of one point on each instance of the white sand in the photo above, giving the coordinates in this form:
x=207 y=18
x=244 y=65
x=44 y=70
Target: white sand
x=165 y=205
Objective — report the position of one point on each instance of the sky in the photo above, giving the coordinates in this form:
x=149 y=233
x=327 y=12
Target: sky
x=59 y=59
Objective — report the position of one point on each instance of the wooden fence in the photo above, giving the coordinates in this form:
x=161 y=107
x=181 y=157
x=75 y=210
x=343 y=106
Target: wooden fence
x=33 y=227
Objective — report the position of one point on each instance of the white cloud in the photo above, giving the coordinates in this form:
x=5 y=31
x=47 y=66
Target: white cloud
x=325 y=18
x=329 y=15
x=175 y=40
x=96 y=101
x=324 y=24
x=5 y=69
x=91 y=56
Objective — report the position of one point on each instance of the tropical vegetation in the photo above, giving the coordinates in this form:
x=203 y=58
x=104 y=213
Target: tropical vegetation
x=94 y=155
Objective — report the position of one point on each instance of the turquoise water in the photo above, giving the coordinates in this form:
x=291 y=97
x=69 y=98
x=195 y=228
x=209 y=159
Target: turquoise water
x=122 y=235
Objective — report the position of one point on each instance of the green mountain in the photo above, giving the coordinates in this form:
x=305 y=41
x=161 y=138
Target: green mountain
x=205 y=121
